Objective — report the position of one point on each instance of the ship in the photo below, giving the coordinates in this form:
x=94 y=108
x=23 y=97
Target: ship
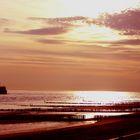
x=3 y=90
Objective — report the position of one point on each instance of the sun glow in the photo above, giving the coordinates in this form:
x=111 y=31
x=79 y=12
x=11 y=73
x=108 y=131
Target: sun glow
x=91 y=8
x=93 y=33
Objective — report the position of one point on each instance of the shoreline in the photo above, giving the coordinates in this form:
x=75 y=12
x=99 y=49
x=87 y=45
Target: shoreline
x=113 y=125
x=59 y=116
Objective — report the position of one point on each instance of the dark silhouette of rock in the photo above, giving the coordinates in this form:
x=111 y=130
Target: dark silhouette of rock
x=3 y=90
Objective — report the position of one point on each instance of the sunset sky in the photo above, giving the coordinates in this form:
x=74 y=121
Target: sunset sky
x=70 y=44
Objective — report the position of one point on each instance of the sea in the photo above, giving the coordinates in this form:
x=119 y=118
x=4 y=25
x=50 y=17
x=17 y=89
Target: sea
x=58 y=101
x=27 y=99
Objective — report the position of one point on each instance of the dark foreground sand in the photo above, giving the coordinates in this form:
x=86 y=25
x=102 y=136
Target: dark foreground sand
x=102 y=130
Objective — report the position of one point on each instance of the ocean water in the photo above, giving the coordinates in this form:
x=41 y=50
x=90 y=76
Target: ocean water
x=21 y=99
x=28 y=99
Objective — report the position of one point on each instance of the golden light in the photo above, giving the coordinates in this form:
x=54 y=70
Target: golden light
x=92 y=33
x=103 y=96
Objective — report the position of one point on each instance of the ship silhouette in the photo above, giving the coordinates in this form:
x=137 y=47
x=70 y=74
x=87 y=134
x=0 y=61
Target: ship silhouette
x=3 y=90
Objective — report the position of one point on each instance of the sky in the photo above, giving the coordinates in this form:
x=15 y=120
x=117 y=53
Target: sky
x=70 y=44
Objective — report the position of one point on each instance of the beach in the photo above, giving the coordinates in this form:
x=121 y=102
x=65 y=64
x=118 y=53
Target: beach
x=108 y=128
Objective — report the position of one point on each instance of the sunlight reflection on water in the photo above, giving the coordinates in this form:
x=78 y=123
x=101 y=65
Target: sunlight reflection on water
x=107 y=96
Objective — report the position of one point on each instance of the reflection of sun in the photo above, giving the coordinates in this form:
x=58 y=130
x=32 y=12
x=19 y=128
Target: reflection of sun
x=103 y=96
x=92 y=8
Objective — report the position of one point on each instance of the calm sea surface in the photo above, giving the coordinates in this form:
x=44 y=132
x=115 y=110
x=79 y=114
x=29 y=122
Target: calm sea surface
x=21 y=99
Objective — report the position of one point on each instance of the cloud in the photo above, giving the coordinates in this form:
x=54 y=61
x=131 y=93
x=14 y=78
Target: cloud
x=128 y=21
x=4 y=21
x=41 y=31
x=85 y=56
x=63 y=21
x=111 y=53
x=127 y=42
x=123 y=42
x=59 y=41
x=94 y=52
x=131 y=32
x=54 y=26
x=50 y=41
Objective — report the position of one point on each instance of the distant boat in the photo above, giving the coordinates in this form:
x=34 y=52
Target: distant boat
x=3 y=90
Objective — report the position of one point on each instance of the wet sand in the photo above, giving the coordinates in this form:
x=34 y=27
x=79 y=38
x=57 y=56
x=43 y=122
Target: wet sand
x=104 y=129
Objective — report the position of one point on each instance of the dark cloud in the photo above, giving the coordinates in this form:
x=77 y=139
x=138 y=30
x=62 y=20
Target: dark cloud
x=41 y=31
x=128 y=21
